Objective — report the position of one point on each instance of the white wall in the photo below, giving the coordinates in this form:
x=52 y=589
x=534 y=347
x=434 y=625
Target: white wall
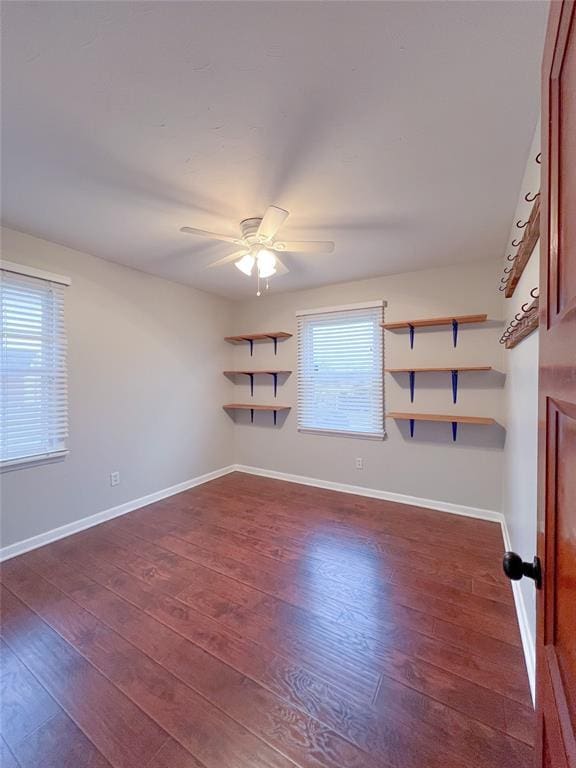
x=521 y=404
x=429 y=466
x=521 y=459
x=145 y=385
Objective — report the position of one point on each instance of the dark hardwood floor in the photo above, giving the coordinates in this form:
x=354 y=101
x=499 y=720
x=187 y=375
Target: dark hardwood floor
x=251 y=623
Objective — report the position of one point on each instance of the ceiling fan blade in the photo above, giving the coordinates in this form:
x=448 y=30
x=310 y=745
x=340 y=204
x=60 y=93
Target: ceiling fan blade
x=211 y=235
x=227 y=259
x=281 y=268
x=271 y=223
x=303 y=246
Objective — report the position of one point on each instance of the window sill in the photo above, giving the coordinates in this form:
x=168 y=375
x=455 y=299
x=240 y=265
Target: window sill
x=32 y=461
x=337 y=433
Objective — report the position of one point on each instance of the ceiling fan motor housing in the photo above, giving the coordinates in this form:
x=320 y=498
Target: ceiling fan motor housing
x=249 y=229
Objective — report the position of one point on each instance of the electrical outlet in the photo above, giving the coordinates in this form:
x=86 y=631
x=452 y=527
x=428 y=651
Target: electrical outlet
x=359 y=463
x=114 y=478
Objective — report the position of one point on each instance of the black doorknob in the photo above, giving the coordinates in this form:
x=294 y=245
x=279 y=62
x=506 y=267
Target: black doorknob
x=515 y=568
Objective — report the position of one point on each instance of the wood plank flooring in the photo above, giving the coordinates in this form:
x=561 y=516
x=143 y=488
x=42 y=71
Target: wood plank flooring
x=252 y=623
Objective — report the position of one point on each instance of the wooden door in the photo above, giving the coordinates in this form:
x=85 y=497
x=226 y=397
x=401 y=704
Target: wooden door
x=556 y=606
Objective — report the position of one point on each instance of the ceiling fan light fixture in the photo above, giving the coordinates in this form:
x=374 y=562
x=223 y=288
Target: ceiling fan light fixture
x=245 y=264
x=258 y=245
x=266 y=263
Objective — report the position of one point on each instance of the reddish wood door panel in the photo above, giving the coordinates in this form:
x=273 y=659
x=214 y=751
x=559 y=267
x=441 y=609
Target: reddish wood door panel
x=556 y=642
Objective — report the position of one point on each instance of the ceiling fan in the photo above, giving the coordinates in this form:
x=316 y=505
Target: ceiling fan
x=259 y=247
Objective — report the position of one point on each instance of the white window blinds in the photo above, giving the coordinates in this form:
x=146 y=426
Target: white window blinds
x=33 y=387
x=340 y=371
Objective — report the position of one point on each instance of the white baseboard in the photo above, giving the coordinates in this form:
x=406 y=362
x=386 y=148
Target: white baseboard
x=20 y=547
x=528 y=644
x=359 y=490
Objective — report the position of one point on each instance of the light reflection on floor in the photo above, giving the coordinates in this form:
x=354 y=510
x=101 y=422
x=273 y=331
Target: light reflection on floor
x=344 y=584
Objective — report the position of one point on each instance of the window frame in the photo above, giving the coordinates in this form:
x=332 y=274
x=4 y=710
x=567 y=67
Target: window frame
x=49 y=456
x=381 y=434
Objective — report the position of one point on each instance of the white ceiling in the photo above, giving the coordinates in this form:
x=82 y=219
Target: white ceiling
x=400 y=130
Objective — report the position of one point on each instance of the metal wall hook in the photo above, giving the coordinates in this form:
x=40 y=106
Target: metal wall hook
x=503 y=279
x=526 y=308
x=535 y=295
x=516 y=244
x=502 y=288
x=521 y=224
x=507 y=270
x=510 y=257
x=539 y=158
x=529 y=198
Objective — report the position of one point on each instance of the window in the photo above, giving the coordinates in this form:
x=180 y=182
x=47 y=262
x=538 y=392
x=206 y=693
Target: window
x=33 y=391
x=340 y=370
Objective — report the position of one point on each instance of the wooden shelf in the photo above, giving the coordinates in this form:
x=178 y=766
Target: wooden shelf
x=529 y=240
x=431 y=321
x=454 y=320
x=455 y=371
x=252 y=337
x=441 y=370
x=255 y=372
x=251 y=407
x=441 y=417
x=453 y=419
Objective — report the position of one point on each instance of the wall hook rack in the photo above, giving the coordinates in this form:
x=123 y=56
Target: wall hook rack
x=523 y=322
x=531 y=233
x=504 y=280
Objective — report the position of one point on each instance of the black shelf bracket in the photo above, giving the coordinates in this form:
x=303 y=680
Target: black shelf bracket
x=455 y=331
x=411 y=333
x=275 y=340
x=454 y=429
x=454 y=385
x=412 y=375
